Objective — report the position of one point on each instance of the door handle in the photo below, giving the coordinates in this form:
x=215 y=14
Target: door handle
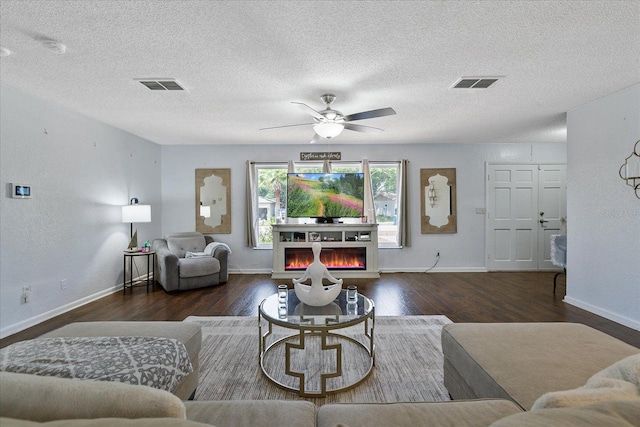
x=542 y=221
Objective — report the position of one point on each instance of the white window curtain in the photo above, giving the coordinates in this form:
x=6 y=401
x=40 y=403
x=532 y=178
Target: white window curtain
x=404 y=229
x=369 y=209
x=251 y=206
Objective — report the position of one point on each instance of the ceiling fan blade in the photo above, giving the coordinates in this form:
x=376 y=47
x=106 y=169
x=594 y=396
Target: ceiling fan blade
x=361 y=128
x=370 y=114
x=287 y=126
x=308 y=110
x=316 y=138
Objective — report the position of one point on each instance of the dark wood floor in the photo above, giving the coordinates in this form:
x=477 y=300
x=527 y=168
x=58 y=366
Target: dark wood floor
x=463 y=297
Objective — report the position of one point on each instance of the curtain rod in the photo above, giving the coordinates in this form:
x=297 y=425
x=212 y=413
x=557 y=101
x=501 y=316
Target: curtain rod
x=320 y=161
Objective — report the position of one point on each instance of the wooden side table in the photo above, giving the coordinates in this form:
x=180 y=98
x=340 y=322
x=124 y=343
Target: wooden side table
x=151 y=266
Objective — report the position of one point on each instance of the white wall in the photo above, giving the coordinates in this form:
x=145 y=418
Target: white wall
x=463 y=251
x=81 y=172
x=603 y=230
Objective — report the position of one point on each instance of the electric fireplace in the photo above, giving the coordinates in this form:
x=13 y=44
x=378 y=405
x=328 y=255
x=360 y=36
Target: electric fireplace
x=332 y=258
x=348 y=250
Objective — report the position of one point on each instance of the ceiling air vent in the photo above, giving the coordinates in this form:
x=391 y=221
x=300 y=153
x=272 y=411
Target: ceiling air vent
x=161 y=84
x=474 y=82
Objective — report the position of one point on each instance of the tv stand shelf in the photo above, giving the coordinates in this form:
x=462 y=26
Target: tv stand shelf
x=330 y=236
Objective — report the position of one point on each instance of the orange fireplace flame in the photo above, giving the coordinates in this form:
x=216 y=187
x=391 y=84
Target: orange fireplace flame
x=333 y=259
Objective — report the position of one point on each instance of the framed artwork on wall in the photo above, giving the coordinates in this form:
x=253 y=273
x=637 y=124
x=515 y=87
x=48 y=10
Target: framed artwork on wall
x=213 y=201
x=438 y=201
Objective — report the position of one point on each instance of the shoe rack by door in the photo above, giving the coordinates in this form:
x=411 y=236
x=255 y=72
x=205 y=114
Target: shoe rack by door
x=526 y=204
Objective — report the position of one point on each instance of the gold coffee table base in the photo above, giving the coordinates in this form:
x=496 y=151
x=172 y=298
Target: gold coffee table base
x=328 y=353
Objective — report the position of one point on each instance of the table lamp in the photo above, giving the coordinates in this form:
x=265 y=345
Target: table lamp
x=133 y=212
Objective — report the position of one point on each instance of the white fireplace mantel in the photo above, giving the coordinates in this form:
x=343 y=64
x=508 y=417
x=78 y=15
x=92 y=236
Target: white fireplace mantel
x=331 y=236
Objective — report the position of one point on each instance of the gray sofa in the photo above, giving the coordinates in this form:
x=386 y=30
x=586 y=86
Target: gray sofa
x=480 y=361
x=178 y=272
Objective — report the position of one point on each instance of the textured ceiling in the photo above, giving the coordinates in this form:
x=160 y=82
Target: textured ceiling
x=242 y=62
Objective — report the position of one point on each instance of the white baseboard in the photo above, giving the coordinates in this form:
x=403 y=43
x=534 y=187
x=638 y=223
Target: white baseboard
x=435 y=270
x=387 y=270
x=32 y=321
x=250 y=271
x=623 y=320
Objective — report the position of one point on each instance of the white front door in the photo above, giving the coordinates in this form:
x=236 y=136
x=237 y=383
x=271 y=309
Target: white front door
x=525 y=205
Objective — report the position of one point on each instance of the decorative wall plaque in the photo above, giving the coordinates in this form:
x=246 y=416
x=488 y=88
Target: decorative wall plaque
x=438 y=201
x=213 y=201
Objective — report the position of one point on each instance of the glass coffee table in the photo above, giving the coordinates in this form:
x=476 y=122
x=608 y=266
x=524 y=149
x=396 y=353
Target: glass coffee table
x=316 y=350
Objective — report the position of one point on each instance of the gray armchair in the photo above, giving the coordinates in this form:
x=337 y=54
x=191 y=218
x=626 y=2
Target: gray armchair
x=190 y=261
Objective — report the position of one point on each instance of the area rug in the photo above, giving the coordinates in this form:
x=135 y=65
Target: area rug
x=408 y=364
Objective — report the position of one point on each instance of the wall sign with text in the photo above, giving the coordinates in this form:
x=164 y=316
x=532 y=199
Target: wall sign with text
x=330 y=155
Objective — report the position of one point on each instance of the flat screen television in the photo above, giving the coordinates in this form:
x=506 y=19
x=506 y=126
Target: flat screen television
x=325 y=196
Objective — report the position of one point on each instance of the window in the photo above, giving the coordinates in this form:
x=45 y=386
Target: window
x=309 y=168
x=271 y=198
x=384 y=185
x=346 y=168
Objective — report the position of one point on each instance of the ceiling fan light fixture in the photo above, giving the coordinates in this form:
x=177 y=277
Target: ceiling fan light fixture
x=328 y=129
x=330 y=123
x=330 y=114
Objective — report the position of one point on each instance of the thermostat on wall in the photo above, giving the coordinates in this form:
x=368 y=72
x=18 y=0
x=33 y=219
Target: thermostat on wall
x=20 y=191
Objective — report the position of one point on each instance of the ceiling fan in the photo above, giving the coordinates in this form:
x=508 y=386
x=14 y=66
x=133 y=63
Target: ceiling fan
x=329 y=123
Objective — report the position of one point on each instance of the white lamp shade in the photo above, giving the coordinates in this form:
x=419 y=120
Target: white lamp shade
x=136 y=213
x=328 y=129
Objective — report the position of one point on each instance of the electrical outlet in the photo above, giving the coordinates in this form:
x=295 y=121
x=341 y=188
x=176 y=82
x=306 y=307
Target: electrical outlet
x=63 y=284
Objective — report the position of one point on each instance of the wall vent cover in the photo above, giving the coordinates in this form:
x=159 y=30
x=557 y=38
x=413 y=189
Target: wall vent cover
x=474 y=82
x=161 y=84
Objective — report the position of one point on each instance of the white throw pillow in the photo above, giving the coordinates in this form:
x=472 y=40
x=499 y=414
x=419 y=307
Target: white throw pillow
x=620 y=381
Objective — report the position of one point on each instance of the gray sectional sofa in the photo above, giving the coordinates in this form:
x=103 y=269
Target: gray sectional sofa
x=500 y=371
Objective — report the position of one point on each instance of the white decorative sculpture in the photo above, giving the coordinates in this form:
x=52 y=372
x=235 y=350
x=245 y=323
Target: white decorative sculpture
x=317 y=294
